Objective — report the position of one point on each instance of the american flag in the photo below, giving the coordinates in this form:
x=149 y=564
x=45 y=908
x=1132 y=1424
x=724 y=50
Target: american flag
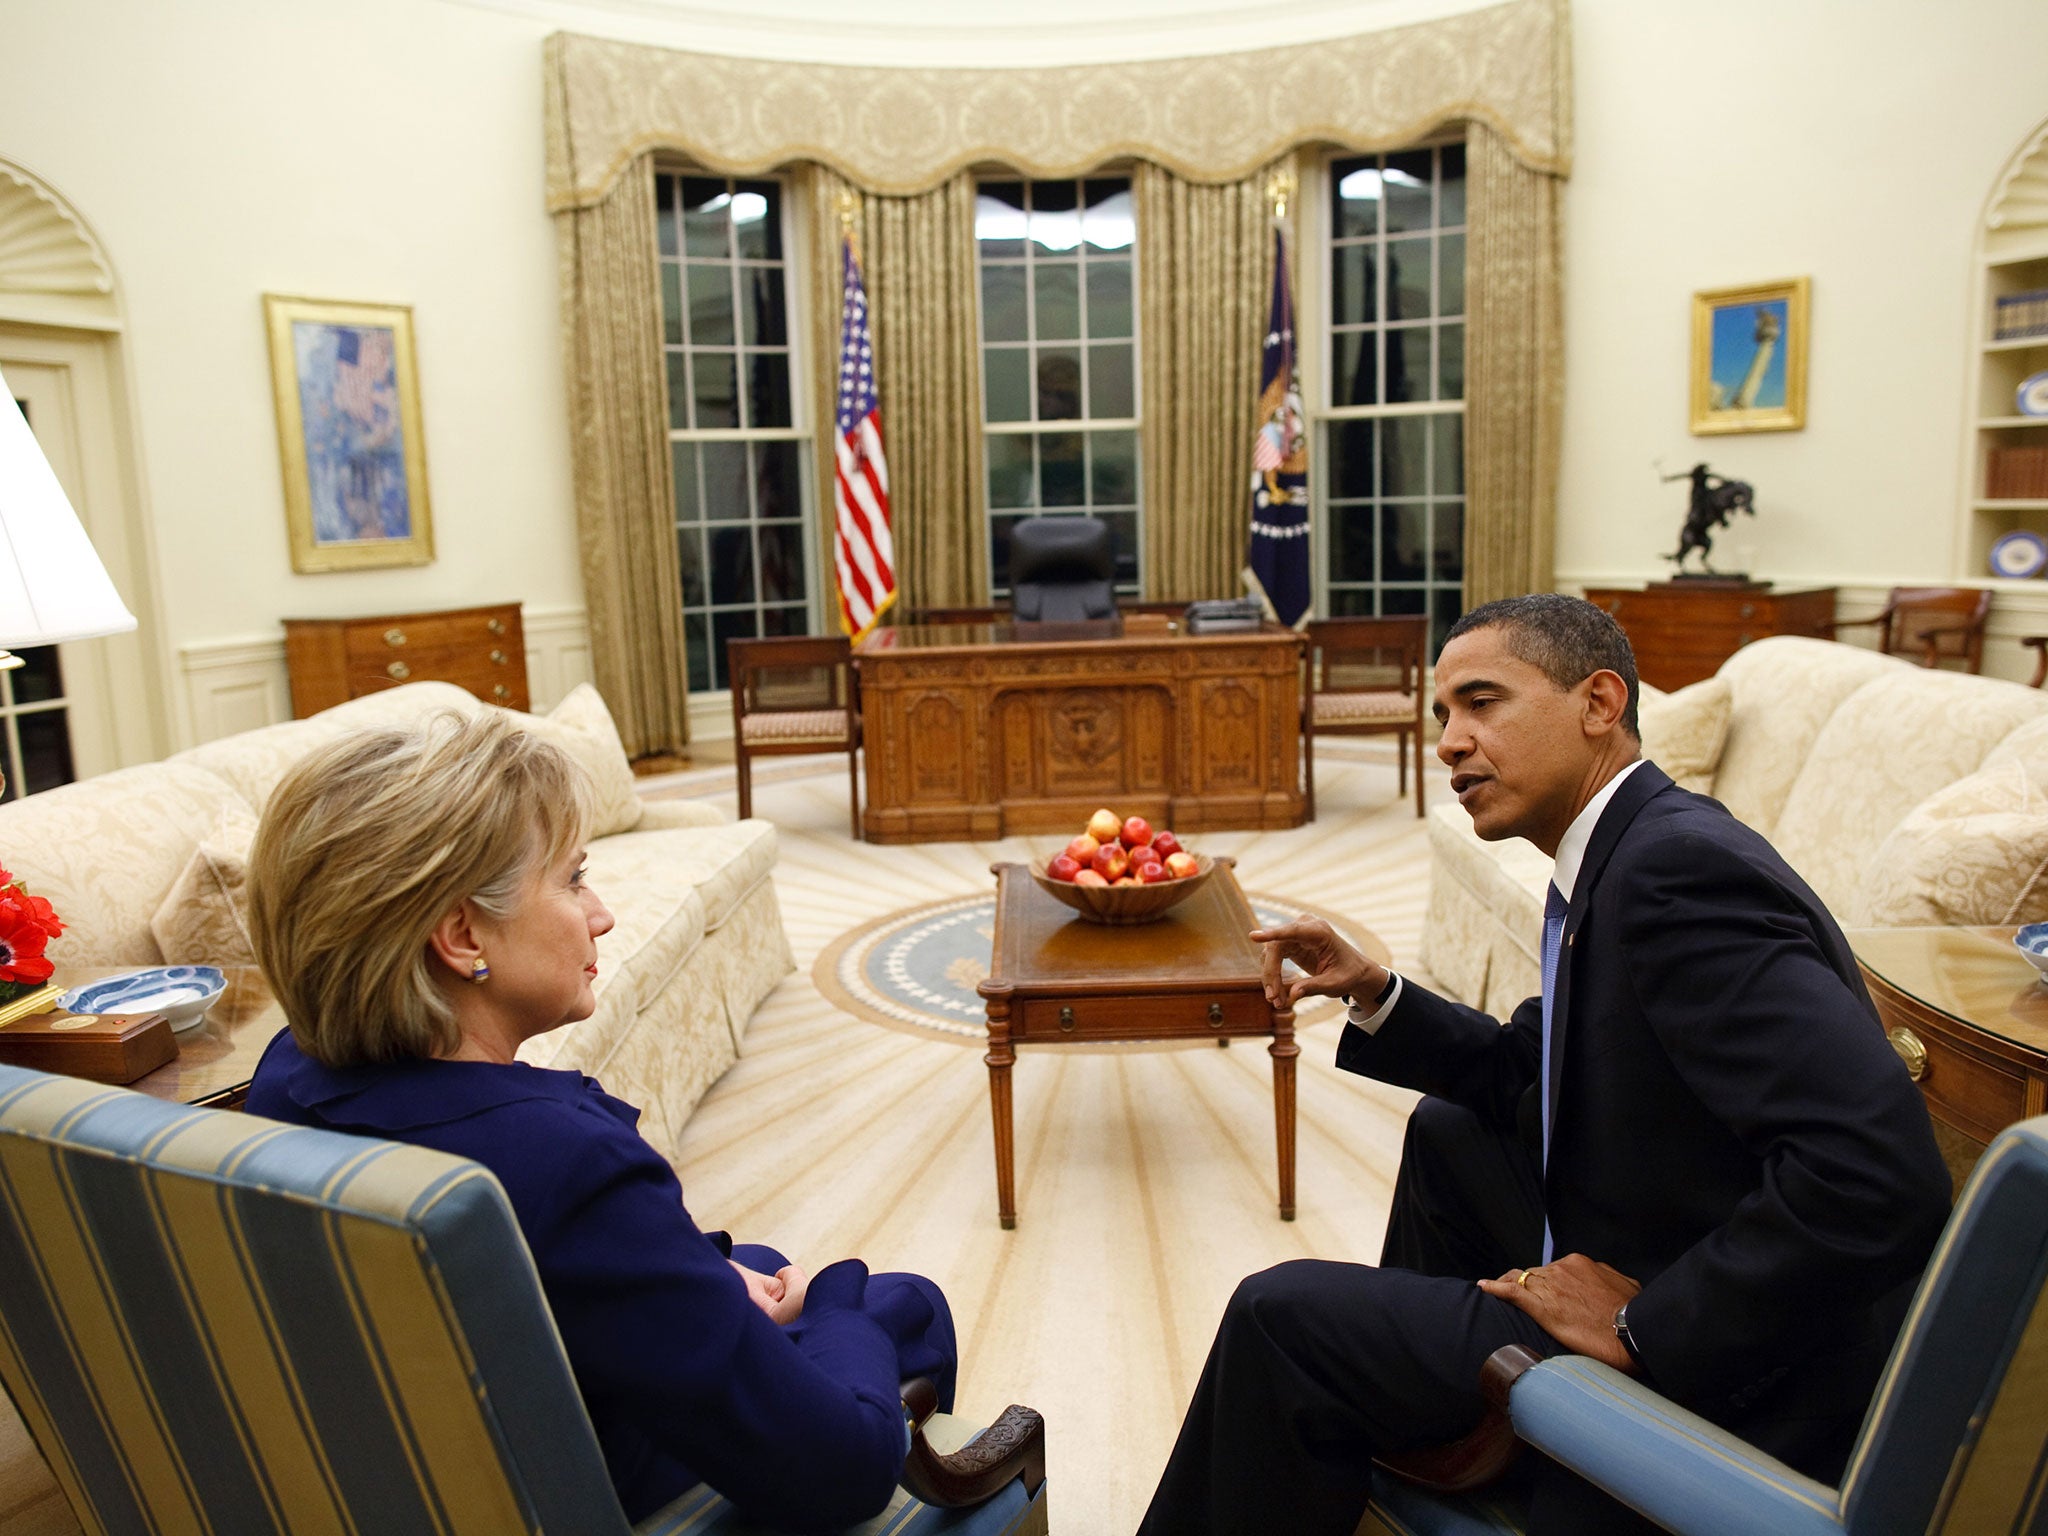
x=861 y=546
x=1279 y=552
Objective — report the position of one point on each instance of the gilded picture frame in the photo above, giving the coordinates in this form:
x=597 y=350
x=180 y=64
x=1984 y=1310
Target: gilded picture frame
x=348 y=433
x=1749 y=358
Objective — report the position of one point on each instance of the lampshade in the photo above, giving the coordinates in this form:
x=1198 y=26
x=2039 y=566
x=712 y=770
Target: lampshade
x=52 y=585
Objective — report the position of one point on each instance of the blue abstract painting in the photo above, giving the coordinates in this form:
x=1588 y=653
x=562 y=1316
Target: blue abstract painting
x=355 y=438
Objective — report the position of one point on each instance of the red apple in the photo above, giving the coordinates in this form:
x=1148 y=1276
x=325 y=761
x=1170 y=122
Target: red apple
x=1126 y=880
x=1181 y=865
x=1104 y=826
x=1153 y=873
x=1165 y=844
x=1089 y=877
x=1063 y=867
x=1137 y=831
x=1082 y=848
x=1143 y=853
x=1111 y=862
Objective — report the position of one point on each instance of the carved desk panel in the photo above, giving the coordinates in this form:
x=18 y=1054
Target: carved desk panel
x=977 y=731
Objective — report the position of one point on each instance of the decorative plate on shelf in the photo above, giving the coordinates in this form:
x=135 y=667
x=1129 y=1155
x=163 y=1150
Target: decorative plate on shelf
x=2019 y=553
x=2032 y=395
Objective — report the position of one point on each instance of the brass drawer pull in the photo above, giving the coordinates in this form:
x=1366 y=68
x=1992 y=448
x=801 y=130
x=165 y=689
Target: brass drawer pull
x=1066 y=1018
x=1215 y=1015
x=498 y=657
x=1749 y=610
x=394 y=637
x=399 y=670
x=1910 y=1050
x=496 y=626
x=501 y=693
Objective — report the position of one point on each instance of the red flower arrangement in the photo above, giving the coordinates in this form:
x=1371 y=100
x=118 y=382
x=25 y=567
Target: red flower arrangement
x=27 y=924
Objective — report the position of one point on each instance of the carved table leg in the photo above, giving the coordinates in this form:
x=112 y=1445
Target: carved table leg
x=1283 y=1050
x=999 y=1058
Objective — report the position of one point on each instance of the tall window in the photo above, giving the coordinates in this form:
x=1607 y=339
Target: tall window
x=739 y=457
x=1394 y=427
x=35 y=729
x=1059 y=360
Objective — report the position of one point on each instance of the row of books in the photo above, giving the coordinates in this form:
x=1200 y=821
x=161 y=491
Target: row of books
x=2016 y=474
x=2020 y=315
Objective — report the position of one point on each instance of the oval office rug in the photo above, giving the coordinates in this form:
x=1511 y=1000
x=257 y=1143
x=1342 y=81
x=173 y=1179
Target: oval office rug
x=916 y=970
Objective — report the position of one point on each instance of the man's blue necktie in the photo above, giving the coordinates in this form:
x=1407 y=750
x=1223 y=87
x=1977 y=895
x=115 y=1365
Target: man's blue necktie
x=1554 y=908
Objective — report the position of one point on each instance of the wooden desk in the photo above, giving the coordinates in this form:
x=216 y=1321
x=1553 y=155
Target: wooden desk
x=1682 y=631
x=1193 y=975
x=978 y=731
x=215 y=1059
x=1969 y=1017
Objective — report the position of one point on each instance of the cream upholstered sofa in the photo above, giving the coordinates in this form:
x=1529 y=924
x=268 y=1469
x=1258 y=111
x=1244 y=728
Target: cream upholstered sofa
x=145 y=866
x=1902 y=796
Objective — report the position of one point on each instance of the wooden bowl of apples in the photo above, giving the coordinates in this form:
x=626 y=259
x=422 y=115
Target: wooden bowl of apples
x=1117 y=871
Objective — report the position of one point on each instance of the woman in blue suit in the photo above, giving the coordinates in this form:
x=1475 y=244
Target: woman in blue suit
x=418 y=902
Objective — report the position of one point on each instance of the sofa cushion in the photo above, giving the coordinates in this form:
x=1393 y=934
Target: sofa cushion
x=1972 y=853
x=204 y=919
x=721 y=863
x=1890 y=745
x=582 y=727
x=1684 y=732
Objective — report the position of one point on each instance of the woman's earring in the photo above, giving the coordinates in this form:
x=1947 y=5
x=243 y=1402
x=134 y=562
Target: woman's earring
x=478 y=971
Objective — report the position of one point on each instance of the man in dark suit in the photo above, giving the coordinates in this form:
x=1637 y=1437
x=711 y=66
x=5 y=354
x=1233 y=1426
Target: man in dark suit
x=1694 y=1157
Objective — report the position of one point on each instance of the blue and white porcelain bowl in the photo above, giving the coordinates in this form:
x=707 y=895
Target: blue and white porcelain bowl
x=2032 y=942
x=181 y=993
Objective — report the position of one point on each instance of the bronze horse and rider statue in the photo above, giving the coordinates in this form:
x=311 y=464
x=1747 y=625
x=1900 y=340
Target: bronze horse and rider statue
x=1715 y=501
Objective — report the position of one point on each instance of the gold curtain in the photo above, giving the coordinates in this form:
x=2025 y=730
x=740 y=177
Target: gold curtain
x=625 y=501
x=1514 y=384
x=917 y=261
x=1205 y=276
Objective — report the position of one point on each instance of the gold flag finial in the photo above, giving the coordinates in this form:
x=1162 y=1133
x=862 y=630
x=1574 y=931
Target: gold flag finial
x=849 y=208
x=1280 y=188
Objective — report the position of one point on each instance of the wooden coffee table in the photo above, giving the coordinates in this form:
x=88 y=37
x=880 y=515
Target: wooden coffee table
x=1057 y=979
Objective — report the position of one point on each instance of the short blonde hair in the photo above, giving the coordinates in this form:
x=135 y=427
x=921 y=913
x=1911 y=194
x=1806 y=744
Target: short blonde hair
x=371 y=840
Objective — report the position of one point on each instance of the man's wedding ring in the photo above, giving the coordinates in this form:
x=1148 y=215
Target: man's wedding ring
x=1524 y=1280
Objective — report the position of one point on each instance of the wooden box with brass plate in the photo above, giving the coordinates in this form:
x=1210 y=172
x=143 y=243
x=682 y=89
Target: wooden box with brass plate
x=108 y=1048
x=334 y=660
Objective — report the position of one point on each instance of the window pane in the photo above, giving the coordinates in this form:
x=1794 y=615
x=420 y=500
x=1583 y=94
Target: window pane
x=39 y=678
x=671 y=304
x=1405 y=442
x=1407 y=364
x=1109 y=298
x=1449 y=455
x=1006 y=377
x=999 y=549
x=1450 y=275
x=1451 y=208
x=1403 y=600
x=1355 y=198
x=1113 y=465
x=765 y=317
x=1404 y=542
x=690 y=556
x=714 y=375
x=785 y=621
x=697 y=643
x=782 y=562
x=1444 y=611
x=1449 y=564
x=710 y=305
x=45 y=749
x=1107 y=221
x=1354 y=359
x=724 y=627
x=999 y=218
x=678 y=389
x=1003 y=315
x=1123 y=546
x=1408 y=192
x=725 y=481
x=683 y=460
x=1408 y=279
x=1059 y=456
x=757 y=219
x=1351 y=543
x=1055 y=217
x=1009 y=470
x=768 y=389
x=1059 y=383
x=1353 y=272
x=1450 y=373
x=1111 y=390
x=1059 y=301
x=1351 y=458
x=732 y=565
x=706 y=217
x=778 y=480
x=665 y=214
x=1350 y=603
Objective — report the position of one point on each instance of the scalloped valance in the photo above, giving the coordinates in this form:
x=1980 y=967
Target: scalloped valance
x=1214 y=119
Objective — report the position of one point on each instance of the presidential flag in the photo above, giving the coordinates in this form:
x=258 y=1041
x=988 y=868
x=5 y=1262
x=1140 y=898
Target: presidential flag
x=1279 y=543
x=862 y=549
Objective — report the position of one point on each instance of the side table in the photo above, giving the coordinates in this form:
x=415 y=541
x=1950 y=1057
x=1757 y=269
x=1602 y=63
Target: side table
x=217 y=1058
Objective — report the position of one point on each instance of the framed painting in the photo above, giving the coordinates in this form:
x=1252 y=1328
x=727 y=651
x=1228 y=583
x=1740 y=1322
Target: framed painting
x=1749 y=358
x=348 y=431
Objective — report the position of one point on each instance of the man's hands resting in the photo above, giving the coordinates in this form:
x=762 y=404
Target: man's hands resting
x=1333 y=967
x=780 y=1295
x=1573 y=1299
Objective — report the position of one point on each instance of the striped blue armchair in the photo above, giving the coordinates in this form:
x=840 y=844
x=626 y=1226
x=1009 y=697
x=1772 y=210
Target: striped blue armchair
x=1955 y=1442
x=214 y=1322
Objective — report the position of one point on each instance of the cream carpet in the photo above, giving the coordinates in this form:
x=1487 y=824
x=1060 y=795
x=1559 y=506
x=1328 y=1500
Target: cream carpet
x=1145 y=1175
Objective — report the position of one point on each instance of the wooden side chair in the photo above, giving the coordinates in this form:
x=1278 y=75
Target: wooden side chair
x=1365 y=679
x=1930 y=625
x=796 y=695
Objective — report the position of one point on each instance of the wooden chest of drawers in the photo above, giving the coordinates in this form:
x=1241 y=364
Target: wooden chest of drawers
x=481 y=649
x=1683 y=632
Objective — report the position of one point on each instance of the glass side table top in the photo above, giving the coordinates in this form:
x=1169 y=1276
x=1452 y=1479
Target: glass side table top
x=1973 y=975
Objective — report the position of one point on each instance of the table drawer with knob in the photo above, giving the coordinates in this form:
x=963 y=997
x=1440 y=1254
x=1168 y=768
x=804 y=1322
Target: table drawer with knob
x=1148 y=1018
x=1963 y=1088
x=480 y=649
